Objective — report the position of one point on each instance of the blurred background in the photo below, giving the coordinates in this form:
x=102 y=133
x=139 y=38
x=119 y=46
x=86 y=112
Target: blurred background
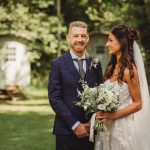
x=32 y=34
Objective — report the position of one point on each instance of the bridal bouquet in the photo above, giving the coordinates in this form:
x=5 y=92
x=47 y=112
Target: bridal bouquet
x=102 y=98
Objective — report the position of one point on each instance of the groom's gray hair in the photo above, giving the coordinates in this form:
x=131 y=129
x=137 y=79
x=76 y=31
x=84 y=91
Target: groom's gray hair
x=78 y=24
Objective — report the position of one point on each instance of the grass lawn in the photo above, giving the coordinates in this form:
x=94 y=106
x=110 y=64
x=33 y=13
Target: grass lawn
x=27 y=124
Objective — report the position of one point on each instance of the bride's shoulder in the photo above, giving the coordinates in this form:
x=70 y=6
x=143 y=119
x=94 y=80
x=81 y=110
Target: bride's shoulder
x=130 y=75
x=127 y=70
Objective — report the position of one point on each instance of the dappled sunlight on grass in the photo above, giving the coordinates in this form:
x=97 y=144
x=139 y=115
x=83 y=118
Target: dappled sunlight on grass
x=35 y=93
x=39 y=106
x=27 y=124
x=26 y=130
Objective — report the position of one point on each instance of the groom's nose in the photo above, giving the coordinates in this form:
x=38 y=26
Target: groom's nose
x=79 y=38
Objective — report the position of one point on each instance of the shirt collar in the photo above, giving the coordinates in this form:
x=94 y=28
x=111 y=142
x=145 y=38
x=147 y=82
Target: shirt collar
x=75 y=56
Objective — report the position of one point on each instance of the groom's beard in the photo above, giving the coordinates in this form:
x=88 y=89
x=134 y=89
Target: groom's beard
x=78 y=46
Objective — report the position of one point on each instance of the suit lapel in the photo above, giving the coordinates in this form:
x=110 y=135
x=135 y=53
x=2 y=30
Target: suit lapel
x=88 y=64
x=69 y=62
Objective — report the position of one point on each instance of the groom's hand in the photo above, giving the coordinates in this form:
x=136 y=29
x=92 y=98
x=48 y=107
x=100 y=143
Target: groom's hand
x=87 y=125
x=81 y=130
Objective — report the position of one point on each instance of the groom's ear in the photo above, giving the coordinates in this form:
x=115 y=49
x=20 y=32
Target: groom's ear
x=68 y=38
x=88 y=38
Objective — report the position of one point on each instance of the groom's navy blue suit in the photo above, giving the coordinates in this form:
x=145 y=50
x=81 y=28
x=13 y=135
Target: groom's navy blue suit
x=63 y=85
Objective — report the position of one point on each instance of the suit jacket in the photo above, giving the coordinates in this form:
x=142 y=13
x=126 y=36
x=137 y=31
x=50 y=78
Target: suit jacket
x=62 y=90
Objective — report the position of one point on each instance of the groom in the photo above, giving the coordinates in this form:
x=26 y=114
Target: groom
x=71 y=127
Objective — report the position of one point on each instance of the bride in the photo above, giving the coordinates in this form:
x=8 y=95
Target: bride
x=129 y=127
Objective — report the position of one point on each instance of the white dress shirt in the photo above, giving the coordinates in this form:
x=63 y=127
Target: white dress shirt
x=75 y=62
x=84 y=68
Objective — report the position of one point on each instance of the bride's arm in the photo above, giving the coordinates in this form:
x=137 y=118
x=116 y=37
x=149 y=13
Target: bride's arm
x=136 y=105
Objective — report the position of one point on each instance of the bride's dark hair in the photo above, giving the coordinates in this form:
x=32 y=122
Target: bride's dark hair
x=125 y=37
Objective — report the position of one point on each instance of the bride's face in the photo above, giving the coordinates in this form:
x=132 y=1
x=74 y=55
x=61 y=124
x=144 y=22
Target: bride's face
x=113 y=45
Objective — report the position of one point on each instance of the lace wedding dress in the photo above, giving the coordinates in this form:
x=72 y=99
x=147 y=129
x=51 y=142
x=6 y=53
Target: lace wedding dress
x=120 y=134
x=131 y=132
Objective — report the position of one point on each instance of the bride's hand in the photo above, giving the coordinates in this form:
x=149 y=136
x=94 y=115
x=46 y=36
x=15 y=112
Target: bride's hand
x=104 y=116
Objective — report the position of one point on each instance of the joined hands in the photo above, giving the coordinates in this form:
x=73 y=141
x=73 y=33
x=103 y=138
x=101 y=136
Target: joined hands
x=82 y=130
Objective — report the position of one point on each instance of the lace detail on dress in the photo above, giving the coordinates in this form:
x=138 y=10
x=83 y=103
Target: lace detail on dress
x=120 y=134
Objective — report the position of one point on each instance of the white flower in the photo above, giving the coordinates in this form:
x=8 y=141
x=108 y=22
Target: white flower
x=117 y=93
x=94 y=62
x=101 y=107
x=85 y=107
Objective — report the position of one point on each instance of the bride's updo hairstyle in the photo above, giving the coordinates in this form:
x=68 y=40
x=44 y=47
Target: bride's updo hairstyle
x=125 y=37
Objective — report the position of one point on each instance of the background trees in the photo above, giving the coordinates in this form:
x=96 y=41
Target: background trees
x=37 y=22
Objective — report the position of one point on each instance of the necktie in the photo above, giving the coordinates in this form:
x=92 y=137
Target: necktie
x=81 y=70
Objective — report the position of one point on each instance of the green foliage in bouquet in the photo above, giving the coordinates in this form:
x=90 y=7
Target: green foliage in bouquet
x=102 y=98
